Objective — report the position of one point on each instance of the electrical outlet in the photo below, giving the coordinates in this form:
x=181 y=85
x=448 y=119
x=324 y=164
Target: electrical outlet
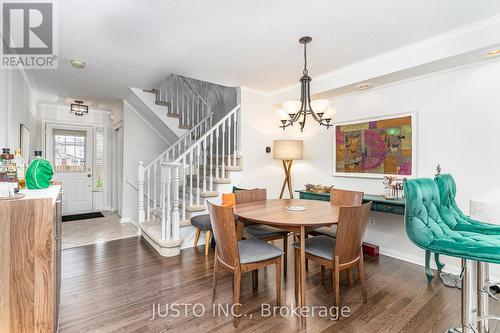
x=372 y=220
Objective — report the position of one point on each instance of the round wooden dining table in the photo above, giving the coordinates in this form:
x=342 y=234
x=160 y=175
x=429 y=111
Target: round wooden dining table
x=274 y=213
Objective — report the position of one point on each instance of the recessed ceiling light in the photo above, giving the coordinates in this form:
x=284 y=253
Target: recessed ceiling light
x=364 y=85
x=493 y=52
x=77 y=63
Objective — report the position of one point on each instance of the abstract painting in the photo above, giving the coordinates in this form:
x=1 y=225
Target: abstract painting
x=375 y=147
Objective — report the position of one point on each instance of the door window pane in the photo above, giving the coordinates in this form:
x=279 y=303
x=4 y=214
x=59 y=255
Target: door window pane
x=69 y=151
x=99 y=159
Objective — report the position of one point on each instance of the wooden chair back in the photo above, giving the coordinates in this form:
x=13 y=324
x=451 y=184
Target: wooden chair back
x=340 y=197
x=244 y=196
x=350 y=231
x=224 y=229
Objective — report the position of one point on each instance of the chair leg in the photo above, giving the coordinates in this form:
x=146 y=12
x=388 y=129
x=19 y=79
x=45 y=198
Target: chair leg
x=196 y=237
x=322 y=274
x=214 y=279
x=361 y=272
x=428 y=270
x=350 y=277
x=296 y=274
x=307 y=261
x=336 y=282
x=285 y=257
x=236 y=295
x=208 y=238
x=255 y=279
x=439 y=264
x=278 y=282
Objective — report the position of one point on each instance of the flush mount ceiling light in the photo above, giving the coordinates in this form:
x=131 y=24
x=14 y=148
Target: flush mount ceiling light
x=77 y=63
x=494 y=52
x=297 y=111
x=79 y=108
x=364 y=85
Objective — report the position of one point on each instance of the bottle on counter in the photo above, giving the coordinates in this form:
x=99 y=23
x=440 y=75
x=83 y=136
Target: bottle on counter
x=8 y=172
x=20 y=169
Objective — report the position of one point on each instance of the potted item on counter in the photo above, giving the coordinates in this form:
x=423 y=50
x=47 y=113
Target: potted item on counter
x=39 y=173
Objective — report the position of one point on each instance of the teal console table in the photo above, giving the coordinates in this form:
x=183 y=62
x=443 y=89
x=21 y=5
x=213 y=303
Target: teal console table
x=379 y=203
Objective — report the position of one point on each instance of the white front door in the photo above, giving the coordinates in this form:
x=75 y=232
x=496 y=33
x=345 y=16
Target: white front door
x=69 y=149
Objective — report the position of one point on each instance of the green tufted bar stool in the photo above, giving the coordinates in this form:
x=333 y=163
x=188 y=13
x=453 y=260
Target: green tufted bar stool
x=455 y=219
x=452 y=214
x=426 y=227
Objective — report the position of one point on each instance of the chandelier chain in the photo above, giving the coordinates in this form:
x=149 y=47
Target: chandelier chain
x=305 y=72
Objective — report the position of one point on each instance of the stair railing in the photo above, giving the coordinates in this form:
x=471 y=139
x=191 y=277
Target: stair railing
x=186 y=103
x=196 y=172
x=192 y=110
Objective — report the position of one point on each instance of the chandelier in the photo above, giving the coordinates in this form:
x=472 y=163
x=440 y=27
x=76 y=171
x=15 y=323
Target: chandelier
x=297 y=111
x=79 y=108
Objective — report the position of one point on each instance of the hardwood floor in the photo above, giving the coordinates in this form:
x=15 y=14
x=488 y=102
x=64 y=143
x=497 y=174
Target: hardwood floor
x=112 y=287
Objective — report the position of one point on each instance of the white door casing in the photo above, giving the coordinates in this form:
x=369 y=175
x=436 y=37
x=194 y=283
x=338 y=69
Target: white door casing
x=76 y=181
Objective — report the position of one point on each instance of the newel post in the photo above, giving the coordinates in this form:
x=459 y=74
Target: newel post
x=176 y=203
x=140 y=185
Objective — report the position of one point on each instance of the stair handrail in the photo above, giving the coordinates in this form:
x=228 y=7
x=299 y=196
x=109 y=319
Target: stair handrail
x=194 y=90
x=207 y=119
x=204 y=136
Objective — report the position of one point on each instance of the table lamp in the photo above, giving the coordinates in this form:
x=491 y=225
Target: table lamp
x=287 y=151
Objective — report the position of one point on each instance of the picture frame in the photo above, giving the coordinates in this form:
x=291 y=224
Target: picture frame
x=413 y=174
x=25 y=143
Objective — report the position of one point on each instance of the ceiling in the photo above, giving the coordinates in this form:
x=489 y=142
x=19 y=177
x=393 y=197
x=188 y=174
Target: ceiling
x=133 y=43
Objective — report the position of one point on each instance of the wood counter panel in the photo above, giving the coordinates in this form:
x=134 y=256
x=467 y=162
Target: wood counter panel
x=26 y=265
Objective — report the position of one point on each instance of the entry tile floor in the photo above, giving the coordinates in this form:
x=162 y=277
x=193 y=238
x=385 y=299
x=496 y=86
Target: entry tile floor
x=98 y=230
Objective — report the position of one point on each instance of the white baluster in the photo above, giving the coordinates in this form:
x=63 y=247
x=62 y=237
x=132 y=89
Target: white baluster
x=140 y=185
x=229 y=159
x=205 y=165
x=191 y=177
x=235 y=141
x=148 y=201
x=211 y=161
x=175 y=209
x=155 y=190
x=163 y=204
x=223 y=167
x=183 y=188
x=198 y=176
x=216 y=153
x=169 y=204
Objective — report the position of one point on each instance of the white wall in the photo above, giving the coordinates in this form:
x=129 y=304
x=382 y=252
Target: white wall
x=16 y=108
x=60 y=114
x=458 y=118
x=141 y=143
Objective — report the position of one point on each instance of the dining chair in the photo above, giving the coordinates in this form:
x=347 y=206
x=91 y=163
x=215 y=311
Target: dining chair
x=259 y=231
x=239 y=256
x=339 y=197
x=202 y=224
x=341 y=253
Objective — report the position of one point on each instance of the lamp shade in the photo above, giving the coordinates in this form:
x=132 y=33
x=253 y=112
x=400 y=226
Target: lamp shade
x=288 y=149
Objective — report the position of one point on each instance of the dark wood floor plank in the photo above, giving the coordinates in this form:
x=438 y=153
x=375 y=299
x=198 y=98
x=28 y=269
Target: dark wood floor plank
x=111 y=287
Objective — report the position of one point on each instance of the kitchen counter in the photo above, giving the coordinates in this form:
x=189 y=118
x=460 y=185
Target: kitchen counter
x=50 y=192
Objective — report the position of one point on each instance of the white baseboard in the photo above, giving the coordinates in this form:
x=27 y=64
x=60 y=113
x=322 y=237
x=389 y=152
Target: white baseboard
x=420 y=261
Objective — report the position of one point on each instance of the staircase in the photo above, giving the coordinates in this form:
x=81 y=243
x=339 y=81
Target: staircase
x=200 y=165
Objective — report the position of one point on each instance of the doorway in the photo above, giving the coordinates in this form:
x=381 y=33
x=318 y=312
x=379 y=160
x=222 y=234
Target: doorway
x=70 y=150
